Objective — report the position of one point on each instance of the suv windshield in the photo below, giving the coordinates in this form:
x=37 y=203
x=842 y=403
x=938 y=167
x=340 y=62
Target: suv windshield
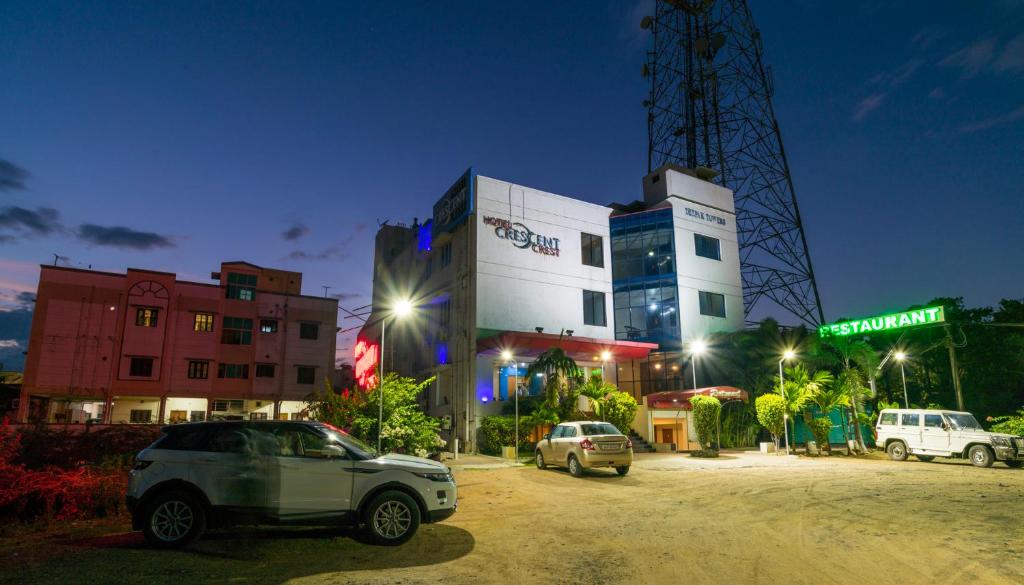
x=599 y=429
x=963 y=421
x=351 y=443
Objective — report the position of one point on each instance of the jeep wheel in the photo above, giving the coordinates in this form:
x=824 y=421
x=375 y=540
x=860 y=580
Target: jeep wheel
x=981 y=456
x=174 y=519
x=574 y=466
x=897 y=451
x=540 y=460
x=925 y=458
x=392 y=518
x=1014 y=463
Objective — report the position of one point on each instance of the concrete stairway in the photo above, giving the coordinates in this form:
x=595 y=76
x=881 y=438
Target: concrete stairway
x=639 y=444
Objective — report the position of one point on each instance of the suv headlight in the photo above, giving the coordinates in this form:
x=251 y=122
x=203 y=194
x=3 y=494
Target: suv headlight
x=1000 y=441
x=436 y=476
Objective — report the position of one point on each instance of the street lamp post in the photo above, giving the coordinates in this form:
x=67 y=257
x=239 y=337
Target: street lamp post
x=901 y=358
x=507 y=356
x=399 y=309
x=782 y=385
x=697 y=347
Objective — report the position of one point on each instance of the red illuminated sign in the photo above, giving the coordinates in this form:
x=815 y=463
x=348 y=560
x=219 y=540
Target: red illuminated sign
x=367 y=356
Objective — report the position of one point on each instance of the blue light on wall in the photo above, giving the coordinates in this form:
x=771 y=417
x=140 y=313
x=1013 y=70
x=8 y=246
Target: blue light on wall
x=425 y=237
x=442 y=353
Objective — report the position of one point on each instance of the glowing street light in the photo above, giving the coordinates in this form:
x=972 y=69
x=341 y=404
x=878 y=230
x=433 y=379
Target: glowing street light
x=507 y=357
x=697 y=347
x=788 y=355
x=901 y=358
x=401 y=308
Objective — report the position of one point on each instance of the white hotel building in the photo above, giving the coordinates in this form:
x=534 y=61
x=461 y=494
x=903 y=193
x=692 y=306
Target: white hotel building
x=506 y=267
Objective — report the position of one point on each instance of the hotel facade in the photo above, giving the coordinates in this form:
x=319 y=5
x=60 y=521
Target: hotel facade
x=145 y=347
x=506 y=268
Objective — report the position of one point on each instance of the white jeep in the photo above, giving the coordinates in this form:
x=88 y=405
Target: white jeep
x=927 y=434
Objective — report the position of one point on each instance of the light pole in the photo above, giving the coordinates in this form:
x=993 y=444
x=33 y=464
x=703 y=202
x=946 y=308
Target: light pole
x=507 y=356
x=901 y=358
x=782 y=385
x=399 y=309
x=697 y=347
x=605 y=357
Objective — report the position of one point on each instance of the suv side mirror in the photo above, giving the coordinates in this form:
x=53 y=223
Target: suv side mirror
x=945 y=426
x=331 y=451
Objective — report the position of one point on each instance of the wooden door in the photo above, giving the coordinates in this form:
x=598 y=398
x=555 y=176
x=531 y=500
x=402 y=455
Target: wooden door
x=666 y=436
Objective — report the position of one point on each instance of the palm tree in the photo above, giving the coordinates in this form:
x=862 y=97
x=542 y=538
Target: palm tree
x=561 y=376
x=828 y=398
x=596 y=389
x=801 y=387
x=854 y=356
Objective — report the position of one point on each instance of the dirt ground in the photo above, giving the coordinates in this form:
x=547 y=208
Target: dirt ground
x=743 y=518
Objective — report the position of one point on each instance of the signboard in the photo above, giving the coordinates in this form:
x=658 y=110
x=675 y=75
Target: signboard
x=704 y=216
x=455 y=205
x=367 y=356
x=523 y=237
x=926 y=316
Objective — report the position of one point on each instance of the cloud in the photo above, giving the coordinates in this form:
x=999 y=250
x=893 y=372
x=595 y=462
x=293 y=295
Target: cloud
x=1012 y=56
x=12 y=177
x=7 y=239
x=41 y=222
x=361 y=227
x=295 y=232
x=867 y=105
x=328 y=254
x=122 y=237
x=14 y=327
x=927 y=37
x=9 y=344
x=937 y=94
x=345 y=296
x=993 y=121
x=972 y=59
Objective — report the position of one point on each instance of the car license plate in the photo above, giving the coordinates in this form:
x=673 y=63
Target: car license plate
x=607 y=447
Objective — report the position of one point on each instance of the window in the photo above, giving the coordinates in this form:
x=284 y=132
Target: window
x=305 y=375
x=888 y=418
x=593 y=250
x=429 y=269
x=933 y=420
x=268 y=325
x=198 y=369
x=264 y=370
x=197 y=416
x=309 y=330
x=568 y=431
x=593 y=308
x=236 y=331
x=241 y=286
x=712 y=304
x=178 y=416
x=141 y=367
x=599 y=429
x=910 y=420
x=296 y=441
x=446 y=254
x=707 y=247
x=203 y=322
x=257 y=416
x=444 y=317
x=226 y=405
x=557 y=431
x=140 y=416
x=240 y=371
x=229 y=439
x=145 y=317
x=191 y=440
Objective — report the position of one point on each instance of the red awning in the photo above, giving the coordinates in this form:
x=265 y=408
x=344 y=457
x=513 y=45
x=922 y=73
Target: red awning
x=583 y=349
x=681 y=398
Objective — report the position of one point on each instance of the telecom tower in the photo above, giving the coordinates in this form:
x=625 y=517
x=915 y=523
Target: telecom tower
x=710 y=110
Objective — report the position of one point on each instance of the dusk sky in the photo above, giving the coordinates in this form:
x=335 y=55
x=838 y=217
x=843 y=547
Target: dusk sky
x=176 y=135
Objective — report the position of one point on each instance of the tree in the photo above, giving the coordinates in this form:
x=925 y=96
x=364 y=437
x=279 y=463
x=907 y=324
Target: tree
x=706 y=411
x=609 y=403
x=799 y=389
x=406 y=428
x=771 y=410
x=827 y=398
x=853 y=356
x=562 y=377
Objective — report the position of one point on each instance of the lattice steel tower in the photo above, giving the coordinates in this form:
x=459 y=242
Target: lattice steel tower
x=710 y=110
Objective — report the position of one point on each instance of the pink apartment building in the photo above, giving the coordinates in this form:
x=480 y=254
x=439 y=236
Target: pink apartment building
x=144 y=347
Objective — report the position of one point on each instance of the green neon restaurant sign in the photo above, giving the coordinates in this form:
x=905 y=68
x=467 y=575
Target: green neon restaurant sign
x=925 y=316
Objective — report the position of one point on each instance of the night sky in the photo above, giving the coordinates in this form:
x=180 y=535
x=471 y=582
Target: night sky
x=175 y=135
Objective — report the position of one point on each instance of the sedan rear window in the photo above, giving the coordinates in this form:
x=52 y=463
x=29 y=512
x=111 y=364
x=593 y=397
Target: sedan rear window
x=599 y=429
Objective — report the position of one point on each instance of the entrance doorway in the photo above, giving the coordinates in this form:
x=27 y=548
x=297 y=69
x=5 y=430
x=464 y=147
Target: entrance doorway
x=666 y=436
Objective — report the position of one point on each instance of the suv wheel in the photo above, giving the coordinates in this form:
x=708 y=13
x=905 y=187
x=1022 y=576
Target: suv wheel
x=392 y=518
x=174 y=519
x=1014 y=463
x=574 y=466
x=897 y=451
x=981 y=456
x=540 y=460
x=925 y=458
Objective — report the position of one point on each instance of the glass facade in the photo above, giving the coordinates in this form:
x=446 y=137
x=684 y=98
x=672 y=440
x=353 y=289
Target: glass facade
x=644 y=282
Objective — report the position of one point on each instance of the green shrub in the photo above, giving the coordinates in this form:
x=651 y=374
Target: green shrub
x=619 y=409
x=706 y=412
x=821 y=427
x=1012 y=424
x=499 y=431
x=771 y=411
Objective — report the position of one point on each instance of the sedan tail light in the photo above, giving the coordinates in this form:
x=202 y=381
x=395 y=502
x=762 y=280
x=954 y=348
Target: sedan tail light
x=586 y=445
x=629 y=444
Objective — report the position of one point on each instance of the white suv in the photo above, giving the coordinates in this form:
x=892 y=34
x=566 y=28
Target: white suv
x=927 y=434
x=300 y=473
